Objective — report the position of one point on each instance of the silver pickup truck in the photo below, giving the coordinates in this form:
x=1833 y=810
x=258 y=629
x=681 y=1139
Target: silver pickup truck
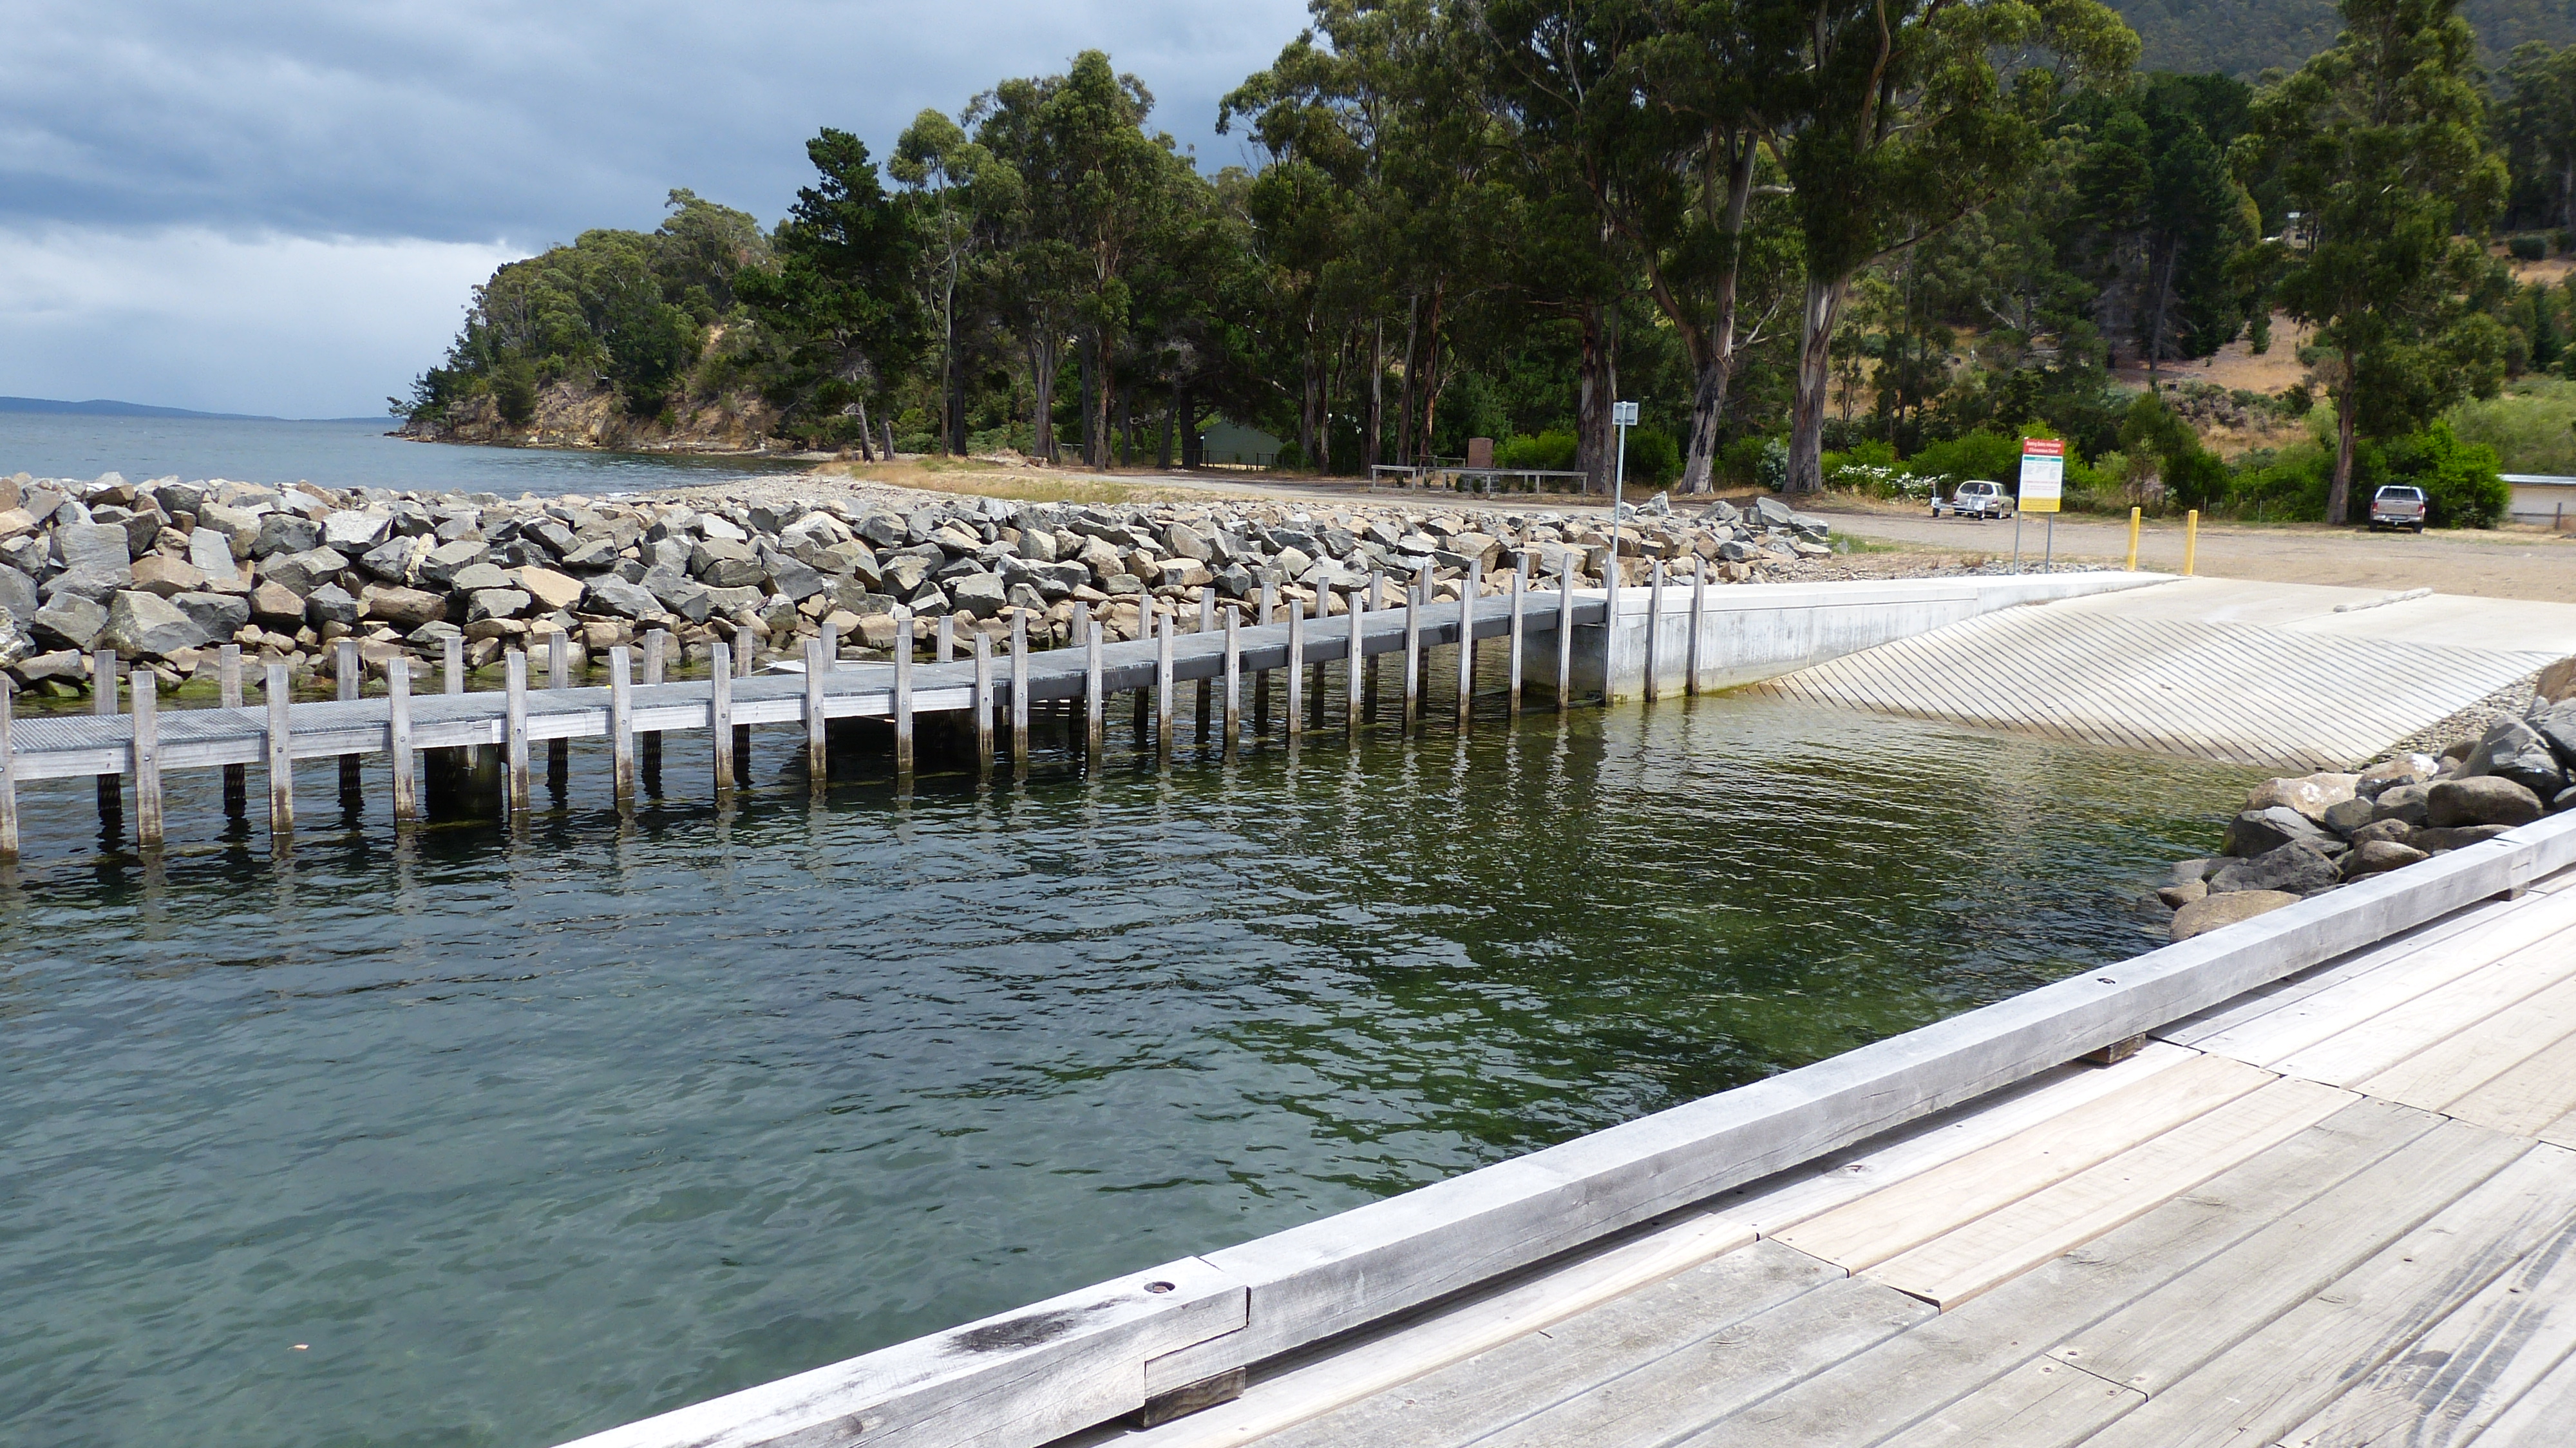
x=2397 y=506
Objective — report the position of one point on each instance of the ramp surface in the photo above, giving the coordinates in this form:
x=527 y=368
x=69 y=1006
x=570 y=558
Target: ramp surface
x=2268 y=674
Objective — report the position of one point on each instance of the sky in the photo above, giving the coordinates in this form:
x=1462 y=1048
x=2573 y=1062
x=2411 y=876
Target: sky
x=280 y=208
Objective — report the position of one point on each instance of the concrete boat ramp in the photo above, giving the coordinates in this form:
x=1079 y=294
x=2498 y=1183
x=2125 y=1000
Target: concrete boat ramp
x=2272 y=674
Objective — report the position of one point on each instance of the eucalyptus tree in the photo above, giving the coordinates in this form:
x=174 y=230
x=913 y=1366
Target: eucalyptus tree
x=1900 y=123
x=964 y=193
x=2380 y=143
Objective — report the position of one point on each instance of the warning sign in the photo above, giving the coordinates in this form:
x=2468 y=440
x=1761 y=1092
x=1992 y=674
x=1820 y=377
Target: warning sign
x=2043 y=474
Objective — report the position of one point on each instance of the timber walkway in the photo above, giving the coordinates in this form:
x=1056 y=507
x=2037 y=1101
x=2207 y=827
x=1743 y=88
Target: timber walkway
x=2303 y=1181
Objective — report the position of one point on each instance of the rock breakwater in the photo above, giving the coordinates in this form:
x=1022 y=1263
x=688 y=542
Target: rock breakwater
x=167 y=572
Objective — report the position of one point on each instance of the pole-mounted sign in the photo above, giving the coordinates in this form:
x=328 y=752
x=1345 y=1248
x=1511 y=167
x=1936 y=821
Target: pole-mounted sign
x=2043 y=485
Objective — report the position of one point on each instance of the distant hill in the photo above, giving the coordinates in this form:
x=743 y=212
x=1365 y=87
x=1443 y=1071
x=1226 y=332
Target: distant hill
x=101 y=407
x=2243 y=37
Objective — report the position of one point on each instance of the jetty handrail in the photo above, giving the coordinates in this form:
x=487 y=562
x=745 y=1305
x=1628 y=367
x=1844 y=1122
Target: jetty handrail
x=1056 y=1367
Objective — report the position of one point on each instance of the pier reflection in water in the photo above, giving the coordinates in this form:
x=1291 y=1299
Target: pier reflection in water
x=483 y=1137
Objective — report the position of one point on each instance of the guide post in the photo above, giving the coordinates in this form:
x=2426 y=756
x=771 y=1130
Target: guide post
x=2043 y=483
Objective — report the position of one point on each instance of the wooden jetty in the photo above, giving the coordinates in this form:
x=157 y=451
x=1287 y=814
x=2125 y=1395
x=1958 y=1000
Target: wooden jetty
x=2306 y=1180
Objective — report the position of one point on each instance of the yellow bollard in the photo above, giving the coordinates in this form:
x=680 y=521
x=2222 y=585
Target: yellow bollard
x=2190 y=541
x=2134 y=515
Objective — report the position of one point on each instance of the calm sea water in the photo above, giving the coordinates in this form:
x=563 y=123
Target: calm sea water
x=340 y=454
x=472 y=1139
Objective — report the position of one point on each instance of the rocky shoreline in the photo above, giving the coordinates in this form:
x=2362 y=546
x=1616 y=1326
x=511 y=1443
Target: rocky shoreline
x=166 y=572
x=2298 y=837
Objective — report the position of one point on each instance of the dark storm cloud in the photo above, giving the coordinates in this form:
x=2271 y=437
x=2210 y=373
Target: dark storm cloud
x=476 y=120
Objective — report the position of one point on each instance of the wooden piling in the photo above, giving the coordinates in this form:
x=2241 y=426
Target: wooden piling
x=1296 y=671
x=656 y=645
x=1020 y=690
x=1163 y=689
x=398 y=738
x=1470 y=589
x=903 y=646
x=1520 y=588
x=559 y=751
x=1376 y=597
x=983 y=709
x=1565 y=634
x=945 y=651
x=818 y=758
x=1355 y=651
x=1232 y=740
x=514 y=731
x=1413 y=602
x=346 y=675
x=1207 y=687
x=8 y=775
x=236 y=776
x=1699 y=623
x=1093 y=698
x=147 y=761
x=1261 y=677
x=453 y=661
x=621 y=727
x=1654 y=632
x=104 y=676
x=281 y=759
x=720 y=715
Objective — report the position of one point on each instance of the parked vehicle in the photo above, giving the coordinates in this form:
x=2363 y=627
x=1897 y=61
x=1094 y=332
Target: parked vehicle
x=2397 y=506
x=1978 y=499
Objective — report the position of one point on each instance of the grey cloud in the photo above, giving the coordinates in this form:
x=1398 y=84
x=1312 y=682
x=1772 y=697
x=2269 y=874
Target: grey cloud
x=476 y=120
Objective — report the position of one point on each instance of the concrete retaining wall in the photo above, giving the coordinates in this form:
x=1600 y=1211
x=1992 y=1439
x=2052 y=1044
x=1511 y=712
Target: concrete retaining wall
x=1755 y=631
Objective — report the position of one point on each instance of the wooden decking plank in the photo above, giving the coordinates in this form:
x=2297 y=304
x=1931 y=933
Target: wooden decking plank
x=2525 y=1099
x=2369 y=1047
x=2468 y=1371
x=1973 y=1259
x=1700 y=1384
x=2164 y=1337
x=2040 y=1404
x=1788 y=1198
x=1877 y=1227
x=1546 y=1364
x=1881 y=1395
x=2444 y=1072
x=2539 y=1418
x=2296 y=1364
x=2264 y=1026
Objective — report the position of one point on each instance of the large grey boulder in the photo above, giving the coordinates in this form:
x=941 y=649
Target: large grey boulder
x=477 y=576
x=2558 y=729
x=591 y=555
x=354 y=533
x=2299 y=868
x=15 y=642
x=140 y=623
x=2261 y=831
x=92 y=545
x=724 y=563
x=1182 y=541
x=2436 y=840
x=2217 y=911
x=2479 y=800
x=332 y=604
x=627 y=600
x=678 y=593
x=2401 y=802
x=95 y=583
x=981 y=594
x=282 y=534
x=239 y=526
x=2375 y=857
x=221 y=615
x=440 y=565
x=2514 y=750
x=1773 y=513
x=277 y=606
x=18 y=597
x=302 y=573
x=492 y=603
x=390 y=560
x=212 y=553
x=795 y=580
x=404 y=608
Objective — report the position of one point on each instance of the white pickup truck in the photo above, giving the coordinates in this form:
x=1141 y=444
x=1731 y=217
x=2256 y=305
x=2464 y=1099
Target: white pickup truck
x=2397 y=506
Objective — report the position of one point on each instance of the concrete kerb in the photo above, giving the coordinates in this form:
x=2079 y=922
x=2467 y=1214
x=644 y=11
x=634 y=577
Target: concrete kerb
x=1093 y=1355
x=1755 y=631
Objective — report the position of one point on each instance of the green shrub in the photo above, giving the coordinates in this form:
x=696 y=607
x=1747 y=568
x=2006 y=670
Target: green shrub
x=1987 y=455
x=2462 y=488
x=2529 y=246
x=1740 y=462
x=1550 y=451
x=1771 y=469
x=1654 y=459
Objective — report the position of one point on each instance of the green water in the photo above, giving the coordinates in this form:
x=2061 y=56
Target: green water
x=522 y=1138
